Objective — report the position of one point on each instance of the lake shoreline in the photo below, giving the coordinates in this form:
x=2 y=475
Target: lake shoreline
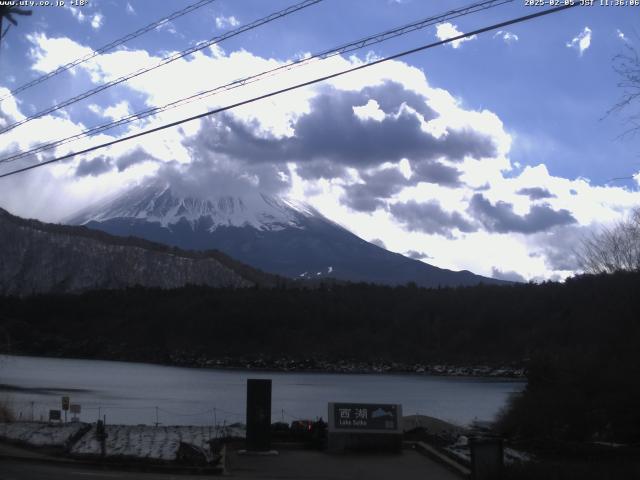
x=134 y=393
x=285 y=365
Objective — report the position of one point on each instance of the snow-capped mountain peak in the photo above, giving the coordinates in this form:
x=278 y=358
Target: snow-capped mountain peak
x=269 y=233
x=158 y=203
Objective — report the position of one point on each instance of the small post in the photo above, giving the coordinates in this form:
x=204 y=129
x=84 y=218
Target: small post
x=157 y=422
x=101 y=436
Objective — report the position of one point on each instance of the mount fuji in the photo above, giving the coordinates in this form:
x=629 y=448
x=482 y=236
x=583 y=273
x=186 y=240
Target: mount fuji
x=273 y=234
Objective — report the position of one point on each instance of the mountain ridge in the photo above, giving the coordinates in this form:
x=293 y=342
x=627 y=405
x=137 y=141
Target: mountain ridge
x=42 y=257
x=271 y=234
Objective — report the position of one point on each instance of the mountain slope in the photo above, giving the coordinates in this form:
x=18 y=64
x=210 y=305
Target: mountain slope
x=37 y=257
x=271 y=234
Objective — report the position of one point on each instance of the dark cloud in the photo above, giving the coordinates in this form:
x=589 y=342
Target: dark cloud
x=416 y=255
x=381 y=185
x=211 y=171
x=206 y=179
x=320 y=169
x=559 y=258
x=357 y=198
x=429 y=218
x=378 y=243
x=394 y=96
x=501 y=218
x=536 y=193
x=509 y=276
x=332 y=132
x=436 y=172
x=133 y=158
x=94 y=167
x=558 y=247
x=370 y=195
x=385 y=183
x=104 y=164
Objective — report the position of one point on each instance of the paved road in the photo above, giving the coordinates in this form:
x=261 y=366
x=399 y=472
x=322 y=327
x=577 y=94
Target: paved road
x=25 y=470
x=308 y=464
x=294 y=464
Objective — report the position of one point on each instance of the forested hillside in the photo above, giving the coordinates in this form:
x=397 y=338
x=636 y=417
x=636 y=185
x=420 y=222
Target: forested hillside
x=590 y=315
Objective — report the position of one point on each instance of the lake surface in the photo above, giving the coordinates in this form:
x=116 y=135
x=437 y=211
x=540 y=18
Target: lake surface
x=136 y=393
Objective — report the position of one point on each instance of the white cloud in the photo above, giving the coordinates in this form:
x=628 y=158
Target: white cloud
x=130 y=9
x=168 y=26
x=225 y=22
x=508 y=37
x=445 y=31
x=582 y=41
x=113 y=112
x=532 y=255
x=77 y=14
x=96 y=21
x=620 y=34
x=370 y=111
x=50 y=53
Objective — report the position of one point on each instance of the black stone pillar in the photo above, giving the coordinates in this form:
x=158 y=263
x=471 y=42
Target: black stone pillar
x=258 y=414
x=487 y=458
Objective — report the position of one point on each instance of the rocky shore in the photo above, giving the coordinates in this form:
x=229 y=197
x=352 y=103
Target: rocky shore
x=285 y=364
x=347 y=366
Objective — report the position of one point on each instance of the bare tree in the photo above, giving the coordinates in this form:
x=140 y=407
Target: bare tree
x=627 y=66
x=613 y=249
x=8 y=13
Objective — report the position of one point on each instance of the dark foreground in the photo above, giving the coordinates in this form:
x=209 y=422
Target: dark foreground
x=26 y=470
x=289 y=464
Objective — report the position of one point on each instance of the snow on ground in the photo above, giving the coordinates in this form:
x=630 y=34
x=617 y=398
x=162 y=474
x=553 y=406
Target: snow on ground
x=40 y=434
x=510 y=455
x=147 y=442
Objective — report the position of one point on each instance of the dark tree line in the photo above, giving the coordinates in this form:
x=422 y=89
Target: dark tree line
x=579 y=339
x=494 y=324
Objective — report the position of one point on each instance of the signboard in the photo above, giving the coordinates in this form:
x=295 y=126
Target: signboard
x=365 y=417
x=55 y=415
x=75 y=408
x=65 y=403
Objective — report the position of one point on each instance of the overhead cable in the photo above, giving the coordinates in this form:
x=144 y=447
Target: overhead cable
x=165 y=61
x=297 y=86
x=342 y=49
x=108 y=47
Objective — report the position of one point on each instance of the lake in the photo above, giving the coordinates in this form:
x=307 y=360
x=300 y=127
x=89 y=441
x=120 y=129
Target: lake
x=138 y=393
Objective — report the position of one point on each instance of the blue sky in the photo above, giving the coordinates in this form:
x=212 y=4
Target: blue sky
x=538 y=96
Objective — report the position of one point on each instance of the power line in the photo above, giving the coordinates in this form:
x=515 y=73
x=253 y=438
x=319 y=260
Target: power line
x=345 y=48
x=300 y=85
x=165 y=61
x=109 y=46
